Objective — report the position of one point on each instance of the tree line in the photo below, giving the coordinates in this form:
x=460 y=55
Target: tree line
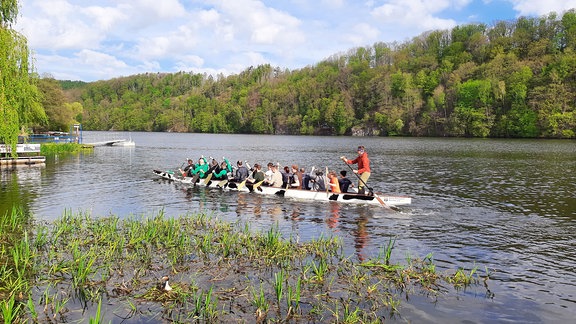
x=512 y=79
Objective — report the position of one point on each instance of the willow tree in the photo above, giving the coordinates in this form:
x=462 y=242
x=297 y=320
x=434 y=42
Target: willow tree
x=19 y=96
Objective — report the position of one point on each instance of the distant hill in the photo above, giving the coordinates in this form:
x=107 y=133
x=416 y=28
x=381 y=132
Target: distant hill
x=511 y=79
x=68 y=84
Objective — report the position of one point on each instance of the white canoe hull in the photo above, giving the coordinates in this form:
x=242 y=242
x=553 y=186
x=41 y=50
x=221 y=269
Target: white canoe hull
x=310 y=195
x=376 y=199
x=168 y=175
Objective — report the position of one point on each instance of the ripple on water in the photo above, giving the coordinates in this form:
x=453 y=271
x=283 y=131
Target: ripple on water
x=501 y=205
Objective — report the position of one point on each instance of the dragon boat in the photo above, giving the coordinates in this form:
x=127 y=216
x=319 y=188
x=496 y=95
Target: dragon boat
x=388 y=201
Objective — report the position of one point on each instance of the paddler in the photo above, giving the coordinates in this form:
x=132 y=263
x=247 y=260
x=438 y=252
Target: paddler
x=363 y=171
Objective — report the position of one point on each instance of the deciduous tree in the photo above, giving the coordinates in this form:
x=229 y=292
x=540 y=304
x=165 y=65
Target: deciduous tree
x=19 y=97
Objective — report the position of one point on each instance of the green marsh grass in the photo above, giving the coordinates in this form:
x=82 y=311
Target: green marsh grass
x=31 y=308
x=10 y=309
x=218 y=271
x=259 y=301
x=319 y=270
x=461 y=278
x=293 y=295
x=351 y=316
x=57 y=148
x=279 y=278
x=98 y=317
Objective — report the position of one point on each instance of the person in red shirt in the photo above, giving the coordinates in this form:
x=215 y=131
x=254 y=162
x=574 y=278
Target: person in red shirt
x=363 y=167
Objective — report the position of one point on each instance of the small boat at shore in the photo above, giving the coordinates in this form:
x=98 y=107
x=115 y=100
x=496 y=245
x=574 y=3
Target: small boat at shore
x=298 y=194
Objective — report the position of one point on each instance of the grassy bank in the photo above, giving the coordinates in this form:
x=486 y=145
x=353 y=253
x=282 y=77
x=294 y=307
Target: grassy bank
x=111 y=269
x=56 y=148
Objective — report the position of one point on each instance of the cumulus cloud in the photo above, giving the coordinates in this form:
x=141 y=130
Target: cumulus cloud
x=73 y=67
x=362 y=34
x=105 y=18
x=415 y=14
x=252 y=20
x=539 y=7
x=101 y=39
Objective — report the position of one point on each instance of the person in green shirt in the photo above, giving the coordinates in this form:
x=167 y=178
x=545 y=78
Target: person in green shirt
x=201 y=170
x=221 y=173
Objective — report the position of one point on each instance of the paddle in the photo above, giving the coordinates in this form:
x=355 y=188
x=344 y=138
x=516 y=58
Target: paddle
x=207 y=179
x=327 y=185
x=241 y=185
x=257 y=186
x=181 y=171
x=222 y=183
x=370 y=189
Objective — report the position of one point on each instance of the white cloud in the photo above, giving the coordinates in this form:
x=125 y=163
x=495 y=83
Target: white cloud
x=58 y=25
x=333 y=3
x=53 y=8
x=96 y=59
x=252 y=20
x=362 y=34
x=415 y=14
x=539 y=7
x=98 y=65
x=189 y=63
x=72 y=37
x=105 y=18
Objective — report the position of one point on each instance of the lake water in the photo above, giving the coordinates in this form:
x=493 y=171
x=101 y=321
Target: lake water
x=508 y=206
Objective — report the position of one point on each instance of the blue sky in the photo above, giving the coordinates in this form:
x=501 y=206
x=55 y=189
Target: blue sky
x=103 y=39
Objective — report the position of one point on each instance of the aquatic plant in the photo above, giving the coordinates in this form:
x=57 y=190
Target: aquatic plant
x=279 y=286
x=218 y=271
x=259 y=301
x=98 y=317
x=10 y=309
x=462 y=279
x=57 y=148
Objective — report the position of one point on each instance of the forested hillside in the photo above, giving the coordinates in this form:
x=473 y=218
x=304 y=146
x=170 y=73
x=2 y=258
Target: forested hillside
x=511 y=79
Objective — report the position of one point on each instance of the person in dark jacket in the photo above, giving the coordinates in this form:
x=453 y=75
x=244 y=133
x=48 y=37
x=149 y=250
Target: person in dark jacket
x=241 y=172
x=187 y=171
x=344 y=182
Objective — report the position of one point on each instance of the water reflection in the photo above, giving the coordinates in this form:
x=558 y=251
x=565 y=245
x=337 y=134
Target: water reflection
x=332 y=220
x=16 y=183
x=361 y=239
x=505 y=205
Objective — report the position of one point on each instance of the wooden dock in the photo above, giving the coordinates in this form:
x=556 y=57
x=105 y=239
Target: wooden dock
x=23 y=160
x=116 y=142
x=25 y=149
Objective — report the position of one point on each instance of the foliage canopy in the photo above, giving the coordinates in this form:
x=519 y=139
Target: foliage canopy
x=512 y=79
x=19 y=97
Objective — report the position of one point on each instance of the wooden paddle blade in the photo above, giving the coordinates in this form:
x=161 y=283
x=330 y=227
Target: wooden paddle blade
x=207 y=179
x=385 y=205
x=222 y=183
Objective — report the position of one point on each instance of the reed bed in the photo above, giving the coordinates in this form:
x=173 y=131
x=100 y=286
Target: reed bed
x=196 y=268
x=56 y=148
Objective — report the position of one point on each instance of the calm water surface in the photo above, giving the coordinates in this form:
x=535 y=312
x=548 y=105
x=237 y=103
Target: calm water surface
x=508 y=206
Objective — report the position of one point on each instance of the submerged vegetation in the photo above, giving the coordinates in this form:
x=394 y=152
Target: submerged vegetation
x=197 y=268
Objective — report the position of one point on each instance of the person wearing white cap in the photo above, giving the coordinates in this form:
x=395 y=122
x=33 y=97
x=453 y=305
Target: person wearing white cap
x=363 y=171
